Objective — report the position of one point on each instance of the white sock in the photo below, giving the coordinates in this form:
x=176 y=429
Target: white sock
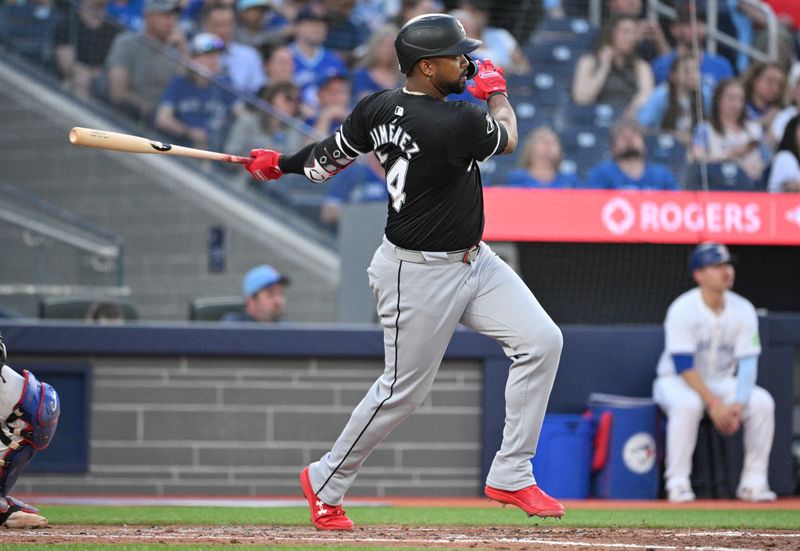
x=10 y=390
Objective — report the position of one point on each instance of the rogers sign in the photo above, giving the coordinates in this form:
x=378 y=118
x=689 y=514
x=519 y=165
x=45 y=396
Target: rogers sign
x=608 y=216
x=619 y=217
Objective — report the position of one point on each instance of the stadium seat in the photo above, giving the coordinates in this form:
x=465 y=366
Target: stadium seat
x=214 y=308
x=666 y=150
x=77 y=308
x=569 y=30
x=584 y=146
x=552 y=54
x=598 y=115
x=28 y=31
x=530 y=115
x=495 y=169
x=727 y=176
x=8 y=313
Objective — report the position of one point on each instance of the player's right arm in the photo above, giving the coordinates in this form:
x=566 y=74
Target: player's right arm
x=490 y=85
x=500 y=109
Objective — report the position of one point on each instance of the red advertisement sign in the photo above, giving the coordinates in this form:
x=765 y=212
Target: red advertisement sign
x=641 y=216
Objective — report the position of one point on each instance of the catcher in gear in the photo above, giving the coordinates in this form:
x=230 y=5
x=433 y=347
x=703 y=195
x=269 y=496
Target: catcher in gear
x=432 y=270
x=29 y=412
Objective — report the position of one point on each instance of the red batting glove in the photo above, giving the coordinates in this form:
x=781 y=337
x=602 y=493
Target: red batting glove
x=488 y=81
x=263 y=164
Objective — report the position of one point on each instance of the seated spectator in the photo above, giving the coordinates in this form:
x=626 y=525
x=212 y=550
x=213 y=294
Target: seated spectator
x=378 y=69
x=364 y=181
x=673 y=105
x=614 y=74
x=278 y=63
x=539 y=163
x=764 y=87
x=376 y=13
x=196 y=108
x=713 y=68
x=251 y=28
x=629 y=168
x=140 y=65
x=728 y=135
x=259 y=129
x=742 y=16
x=263 y=288
x=311 y=59
x=409 y=9
x=498 y=44
x=105 y=313
x=787 y=42
x=83 y=39
x=334 y=96
x=784 y=175
x=792 y=106
x=241 y=63
x=346 y=32
x=651 y=40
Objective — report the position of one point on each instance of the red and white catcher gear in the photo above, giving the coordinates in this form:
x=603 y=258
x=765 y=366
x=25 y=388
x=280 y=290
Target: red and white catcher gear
x=27 y=429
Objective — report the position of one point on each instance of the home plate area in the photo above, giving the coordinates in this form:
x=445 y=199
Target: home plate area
x=512 y=538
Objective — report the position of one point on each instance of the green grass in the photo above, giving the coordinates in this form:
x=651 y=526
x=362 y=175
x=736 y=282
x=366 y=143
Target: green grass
x=188 y=547
x=427 y=516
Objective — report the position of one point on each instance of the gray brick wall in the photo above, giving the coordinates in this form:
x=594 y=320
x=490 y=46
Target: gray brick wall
x=189 y=426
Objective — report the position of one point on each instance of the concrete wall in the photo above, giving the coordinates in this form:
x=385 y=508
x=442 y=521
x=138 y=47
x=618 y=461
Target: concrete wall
x=235 y=426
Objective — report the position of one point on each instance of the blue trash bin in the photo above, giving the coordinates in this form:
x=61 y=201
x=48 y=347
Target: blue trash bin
x=563 y=462
x=625 y=461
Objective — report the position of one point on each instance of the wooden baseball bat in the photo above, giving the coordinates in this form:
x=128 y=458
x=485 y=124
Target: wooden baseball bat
x=101 y=139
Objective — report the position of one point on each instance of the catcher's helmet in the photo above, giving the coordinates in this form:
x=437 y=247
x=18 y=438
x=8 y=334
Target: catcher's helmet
x=432 y=35
x=708 y=254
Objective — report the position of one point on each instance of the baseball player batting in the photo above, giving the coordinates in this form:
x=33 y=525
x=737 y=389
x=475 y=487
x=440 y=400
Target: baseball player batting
x=29 y=413
x=710 y=364
x=432 y=271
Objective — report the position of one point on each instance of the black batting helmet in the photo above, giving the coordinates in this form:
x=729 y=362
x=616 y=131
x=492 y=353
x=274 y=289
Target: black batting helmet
x=432 y=35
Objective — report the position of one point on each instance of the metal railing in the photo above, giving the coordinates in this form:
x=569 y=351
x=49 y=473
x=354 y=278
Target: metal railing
x=41 y=224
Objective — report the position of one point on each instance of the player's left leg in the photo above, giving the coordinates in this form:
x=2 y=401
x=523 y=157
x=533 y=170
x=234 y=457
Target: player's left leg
x=29 y=413
x=506 y=310
x=758 y=418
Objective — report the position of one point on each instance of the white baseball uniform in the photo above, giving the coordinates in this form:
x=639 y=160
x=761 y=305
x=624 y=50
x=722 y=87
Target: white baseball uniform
x=716 y=342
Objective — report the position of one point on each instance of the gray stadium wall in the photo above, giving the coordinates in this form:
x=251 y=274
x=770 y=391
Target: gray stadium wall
x=209 y=409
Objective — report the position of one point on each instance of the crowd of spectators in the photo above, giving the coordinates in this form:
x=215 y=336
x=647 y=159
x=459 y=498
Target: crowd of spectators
x=195 y=69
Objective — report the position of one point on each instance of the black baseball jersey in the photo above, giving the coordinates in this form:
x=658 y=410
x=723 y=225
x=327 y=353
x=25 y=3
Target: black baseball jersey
x=429 y=149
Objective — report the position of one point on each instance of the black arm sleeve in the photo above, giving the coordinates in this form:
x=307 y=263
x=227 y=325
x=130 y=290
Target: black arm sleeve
x=319 y=161
x=294 y=163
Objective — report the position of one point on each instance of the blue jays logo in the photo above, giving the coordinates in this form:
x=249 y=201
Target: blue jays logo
x=639 y=452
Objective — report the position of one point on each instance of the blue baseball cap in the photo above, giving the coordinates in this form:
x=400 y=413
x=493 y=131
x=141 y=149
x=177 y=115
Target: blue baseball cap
x=261 y=277
x=708 y=254
x=242 y=5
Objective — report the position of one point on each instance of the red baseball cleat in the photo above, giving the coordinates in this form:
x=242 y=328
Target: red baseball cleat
x=532 y=500
x=324 y=516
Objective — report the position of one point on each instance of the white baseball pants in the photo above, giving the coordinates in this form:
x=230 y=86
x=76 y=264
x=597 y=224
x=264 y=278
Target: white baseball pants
x=420 y=306
x=684 y=409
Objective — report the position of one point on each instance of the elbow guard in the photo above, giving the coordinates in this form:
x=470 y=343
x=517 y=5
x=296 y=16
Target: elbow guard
x=328 y=157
